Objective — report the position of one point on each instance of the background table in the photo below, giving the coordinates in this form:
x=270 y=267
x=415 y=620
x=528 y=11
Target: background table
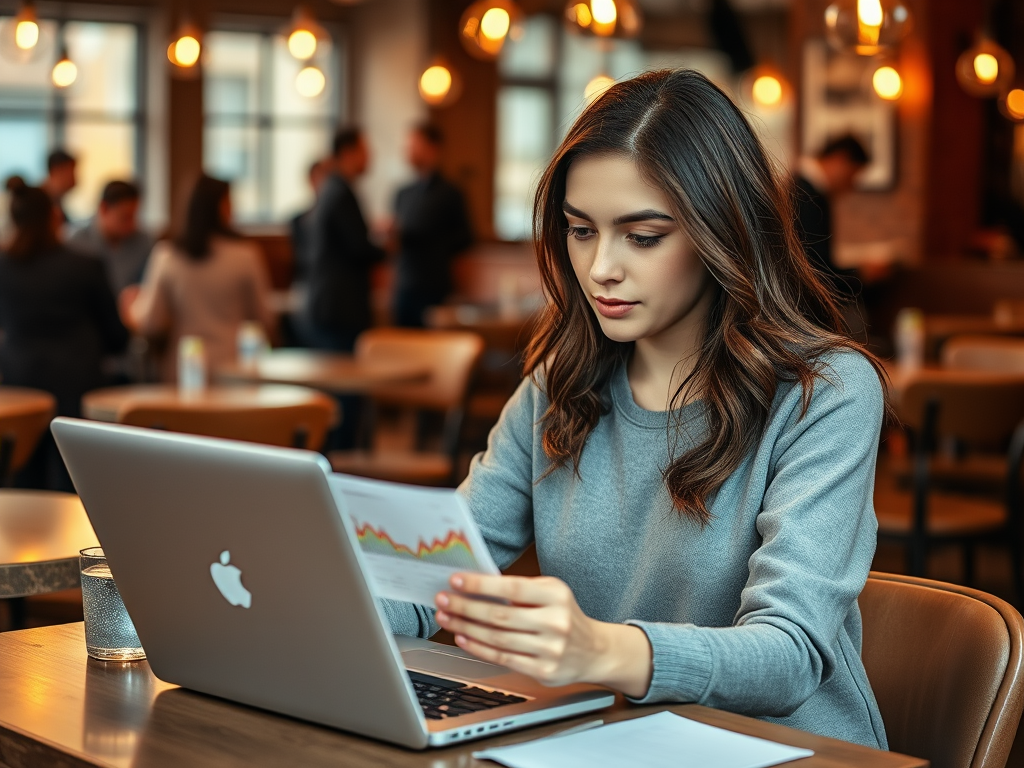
x=106 y=404
x=15 y=401
x=41 y=533
x=59 y=708
x=334 y=372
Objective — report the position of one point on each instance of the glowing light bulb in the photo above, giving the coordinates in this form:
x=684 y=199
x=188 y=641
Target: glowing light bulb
x=302 y=44
x=604 y=11
x=596 y=87
x=869 y=12
x=495 y=23
x=64 y=73
x=26 y=35
x=185 y=51
x=767 y=91
x=435 y=83
x=887 y=83
x=986 y=68
x=310 y=82
x=583 y=15
x=1015 y=103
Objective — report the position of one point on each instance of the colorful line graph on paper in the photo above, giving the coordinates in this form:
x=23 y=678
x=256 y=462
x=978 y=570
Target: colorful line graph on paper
x=453 y=550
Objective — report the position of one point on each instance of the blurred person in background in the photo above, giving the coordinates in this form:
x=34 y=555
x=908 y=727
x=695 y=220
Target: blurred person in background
x=114 y=237
x=6 y=225
x=59 y=319
x=60 y=179
x=205 y=282
x=432 y=228
x=338 y=307
x=300 y=224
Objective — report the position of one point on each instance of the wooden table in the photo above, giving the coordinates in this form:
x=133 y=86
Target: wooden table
x=59 y=708
x=106 y=404
x=17 y=401
x=41 y=533
x=334 y=372
x=900 y=378
x=939 y=328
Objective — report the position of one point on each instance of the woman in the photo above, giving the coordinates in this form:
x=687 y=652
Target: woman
x=692 y=453
x=58 y=318
x=206 y=283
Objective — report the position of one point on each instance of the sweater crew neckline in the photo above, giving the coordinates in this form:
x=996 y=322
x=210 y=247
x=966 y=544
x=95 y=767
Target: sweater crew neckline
x=622 y=399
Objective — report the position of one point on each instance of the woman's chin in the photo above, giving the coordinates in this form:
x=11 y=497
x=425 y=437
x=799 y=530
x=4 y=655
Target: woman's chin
x=618 y=330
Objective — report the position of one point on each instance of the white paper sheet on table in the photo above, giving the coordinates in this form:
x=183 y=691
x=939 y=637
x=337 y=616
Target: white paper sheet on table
x=412 y=538
x=664 y=740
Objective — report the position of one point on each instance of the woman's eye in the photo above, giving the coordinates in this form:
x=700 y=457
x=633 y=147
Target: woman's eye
x=579 y=232
x=644 y=241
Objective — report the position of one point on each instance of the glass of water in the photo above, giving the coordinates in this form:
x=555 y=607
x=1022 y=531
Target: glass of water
x=109 y=632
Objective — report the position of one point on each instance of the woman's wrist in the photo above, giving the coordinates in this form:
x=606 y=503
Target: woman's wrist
x=624 y=659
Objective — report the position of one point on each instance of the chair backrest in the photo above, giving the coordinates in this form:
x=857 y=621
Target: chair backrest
x=451 y=357
x=974 y=407
x=291 y=426
x=27 y=415
x=946 y=667
x=999 y=354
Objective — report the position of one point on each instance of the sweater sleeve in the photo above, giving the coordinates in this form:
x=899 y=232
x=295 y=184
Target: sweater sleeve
x=818 y=532
x=499 y=491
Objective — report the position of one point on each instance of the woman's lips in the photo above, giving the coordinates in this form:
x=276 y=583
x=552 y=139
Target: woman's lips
x=614 y=308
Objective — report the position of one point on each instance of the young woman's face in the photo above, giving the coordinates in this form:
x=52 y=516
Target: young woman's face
x=632 y=259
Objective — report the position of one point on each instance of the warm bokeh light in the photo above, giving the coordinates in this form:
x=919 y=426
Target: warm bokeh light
x=869 y=12
x=310 y=82
x=1015 y=103
x=184 y=51
x=887 y=83
x=767 y=91
x=302 y=44
x=64 y=73
x=495 y=23
x=583 y=16
x=604 y=11
x=26 y=35
x=986 y=68
x=435 y=83
x=597 y=86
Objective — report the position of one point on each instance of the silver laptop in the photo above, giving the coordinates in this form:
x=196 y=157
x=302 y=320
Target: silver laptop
x=313 y=643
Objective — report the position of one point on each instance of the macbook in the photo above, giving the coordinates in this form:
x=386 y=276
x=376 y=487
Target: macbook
x=237 y=567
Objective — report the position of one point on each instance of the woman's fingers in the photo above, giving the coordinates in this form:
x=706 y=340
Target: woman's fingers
x=520 y=590
x=500 y=615
x=527 y=643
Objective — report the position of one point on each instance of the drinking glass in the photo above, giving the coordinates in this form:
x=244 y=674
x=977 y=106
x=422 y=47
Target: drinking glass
x=109 y=632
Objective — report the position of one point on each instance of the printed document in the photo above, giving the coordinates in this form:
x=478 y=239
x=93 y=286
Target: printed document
x=664 y=740
x=412 y=539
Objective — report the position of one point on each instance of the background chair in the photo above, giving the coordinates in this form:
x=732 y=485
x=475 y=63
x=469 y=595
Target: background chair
x=974 y=411
x=946 y=667
x=452 y=357
x=998 y=354
x=23 y=420
x=295 y=426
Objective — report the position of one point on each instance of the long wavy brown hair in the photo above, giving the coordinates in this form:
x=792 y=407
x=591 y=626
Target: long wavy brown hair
x=771 y=321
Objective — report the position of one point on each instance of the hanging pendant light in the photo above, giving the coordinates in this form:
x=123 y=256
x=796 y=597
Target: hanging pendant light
x=440 y=84
x=487 y=24
x=985 y=69
x=765 y=87
x=887 y=83
x=65 y=72
x=1012 y=104
x=604 y=18
x=186 y=48
x=866 y=27
x=310 y=82
x=305 y=35
x=26 y=27
x=23 y=37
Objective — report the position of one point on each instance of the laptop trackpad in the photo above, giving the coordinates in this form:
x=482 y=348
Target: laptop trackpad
x=447 y=665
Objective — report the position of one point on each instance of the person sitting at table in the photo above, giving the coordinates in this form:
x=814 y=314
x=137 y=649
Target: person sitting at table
x=58 y=319
x=691 y=453
x=205 y=282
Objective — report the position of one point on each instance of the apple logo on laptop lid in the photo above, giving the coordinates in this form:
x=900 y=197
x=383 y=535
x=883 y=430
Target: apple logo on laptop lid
x=228 y=579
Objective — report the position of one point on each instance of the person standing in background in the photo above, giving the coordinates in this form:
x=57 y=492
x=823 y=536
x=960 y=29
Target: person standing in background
x=338 y=308
x=60 y=179
x=432 y=229
x=300 y=224
x=114 y=237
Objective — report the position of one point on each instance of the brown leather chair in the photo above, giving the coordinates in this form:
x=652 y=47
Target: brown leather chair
x=290 y=426
x=452 y=357
x=26 y=416
x=946 y=667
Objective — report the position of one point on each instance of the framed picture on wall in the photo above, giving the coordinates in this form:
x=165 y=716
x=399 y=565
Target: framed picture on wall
x=838 y=99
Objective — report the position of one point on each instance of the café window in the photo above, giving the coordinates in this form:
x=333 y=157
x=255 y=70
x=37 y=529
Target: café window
x=99 y=119
x=260 y=133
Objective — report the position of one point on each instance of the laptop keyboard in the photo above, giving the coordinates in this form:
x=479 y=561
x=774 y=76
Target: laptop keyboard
x=441 y=698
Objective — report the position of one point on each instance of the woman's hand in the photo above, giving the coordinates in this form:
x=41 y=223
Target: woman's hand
x=535 y=626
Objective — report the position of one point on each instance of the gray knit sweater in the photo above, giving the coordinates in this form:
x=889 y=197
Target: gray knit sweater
x=755 y=613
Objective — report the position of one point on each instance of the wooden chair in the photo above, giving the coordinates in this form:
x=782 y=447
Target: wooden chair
x=997 y=354
x=295 y=426
x=452 y=357
x=946 y=667
x=974 y=410
x=25 y=414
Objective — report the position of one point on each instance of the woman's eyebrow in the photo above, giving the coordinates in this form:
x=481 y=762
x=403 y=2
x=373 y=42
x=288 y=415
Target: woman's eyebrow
x=645 y=215
x=573 y=211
